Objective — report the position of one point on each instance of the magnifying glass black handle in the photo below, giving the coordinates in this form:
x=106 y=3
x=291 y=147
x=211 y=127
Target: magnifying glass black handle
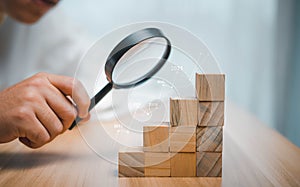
x=94 y=101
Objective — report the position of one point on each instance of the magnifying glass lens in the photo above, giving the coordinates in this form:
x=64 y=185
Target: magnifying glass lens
x=133 y=61
x=139 y=61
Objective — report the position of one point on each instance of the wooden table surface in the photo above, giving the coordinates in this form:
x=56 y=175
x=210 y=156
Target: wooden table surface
x=253 y=155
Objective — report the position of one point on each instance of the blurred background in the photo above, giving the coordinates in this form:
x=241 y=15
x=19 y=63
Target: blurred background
x=257 y=44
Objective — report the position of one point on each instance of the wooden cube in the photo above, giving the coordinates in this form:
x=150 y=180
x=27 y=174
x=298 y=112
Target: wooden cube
x=183 y=165
x=210 y=87
x=131 y=163
x=157 y=164
x=183 y=112
x=156 y=138
x=209 y=164
x=210 y=139
x=182 y=139
x=210 y=114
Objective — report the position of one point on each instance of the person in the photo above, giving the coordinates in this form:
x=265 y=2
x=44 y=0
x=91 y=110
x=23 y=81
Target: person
x=43 y=106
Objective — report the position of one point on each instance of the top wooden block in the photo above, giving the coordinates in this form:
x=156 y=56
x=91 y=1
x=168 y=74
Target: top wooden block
x=210 y=87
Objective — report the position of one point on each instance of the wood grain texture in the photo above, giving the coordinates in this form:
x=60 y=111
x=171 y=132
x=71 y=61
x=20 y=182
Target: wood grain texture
x=131 y=163
x=210 y=87
x=182 y=139
x=157 y=164
x=210 y=139
x=183 y=165
x=156 y=138
x=183 y=112
x=211 y=114
x=171 y=181
x=209 y=164
x=253 y=155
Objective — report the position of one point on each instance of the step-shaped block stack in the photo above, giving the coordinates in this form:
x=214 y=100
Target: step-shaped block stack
x=190 y=145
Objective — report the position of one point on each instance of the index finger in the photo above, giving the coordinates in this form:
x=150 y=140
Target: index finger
x=72 y=87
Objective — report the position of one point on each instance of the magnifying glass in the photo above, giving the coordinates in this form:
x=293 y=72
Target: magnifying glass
x=133 y=61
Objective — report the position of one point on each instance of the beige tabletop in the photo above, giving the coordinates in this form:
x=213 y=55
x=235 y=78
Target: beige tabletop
x=254 y=155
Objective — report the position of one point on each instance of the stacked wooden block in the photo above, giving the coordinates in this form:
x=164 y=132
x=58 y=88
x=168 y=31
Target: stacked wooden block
x=211 y=95
x=191 y=145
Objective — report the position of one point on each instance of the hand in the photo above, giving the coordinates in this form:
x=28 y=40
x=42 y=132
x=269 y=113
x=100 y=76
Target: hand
x=37 y=109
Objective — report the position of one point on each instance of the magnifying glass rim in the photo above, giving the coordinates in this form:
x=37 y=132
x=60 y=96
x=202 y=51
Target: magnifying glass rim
x=125 y=45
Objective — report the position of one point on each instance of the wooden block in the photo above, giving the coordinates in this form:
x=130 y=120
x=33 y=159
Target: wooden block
x=182 y=139
x=211 y=114
x=156 y=138
x=210 y=139
x=157 y=164
x=210 y=87
x=183 y=165
x=183 y=112
x=131 y=163
x=209 y=164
